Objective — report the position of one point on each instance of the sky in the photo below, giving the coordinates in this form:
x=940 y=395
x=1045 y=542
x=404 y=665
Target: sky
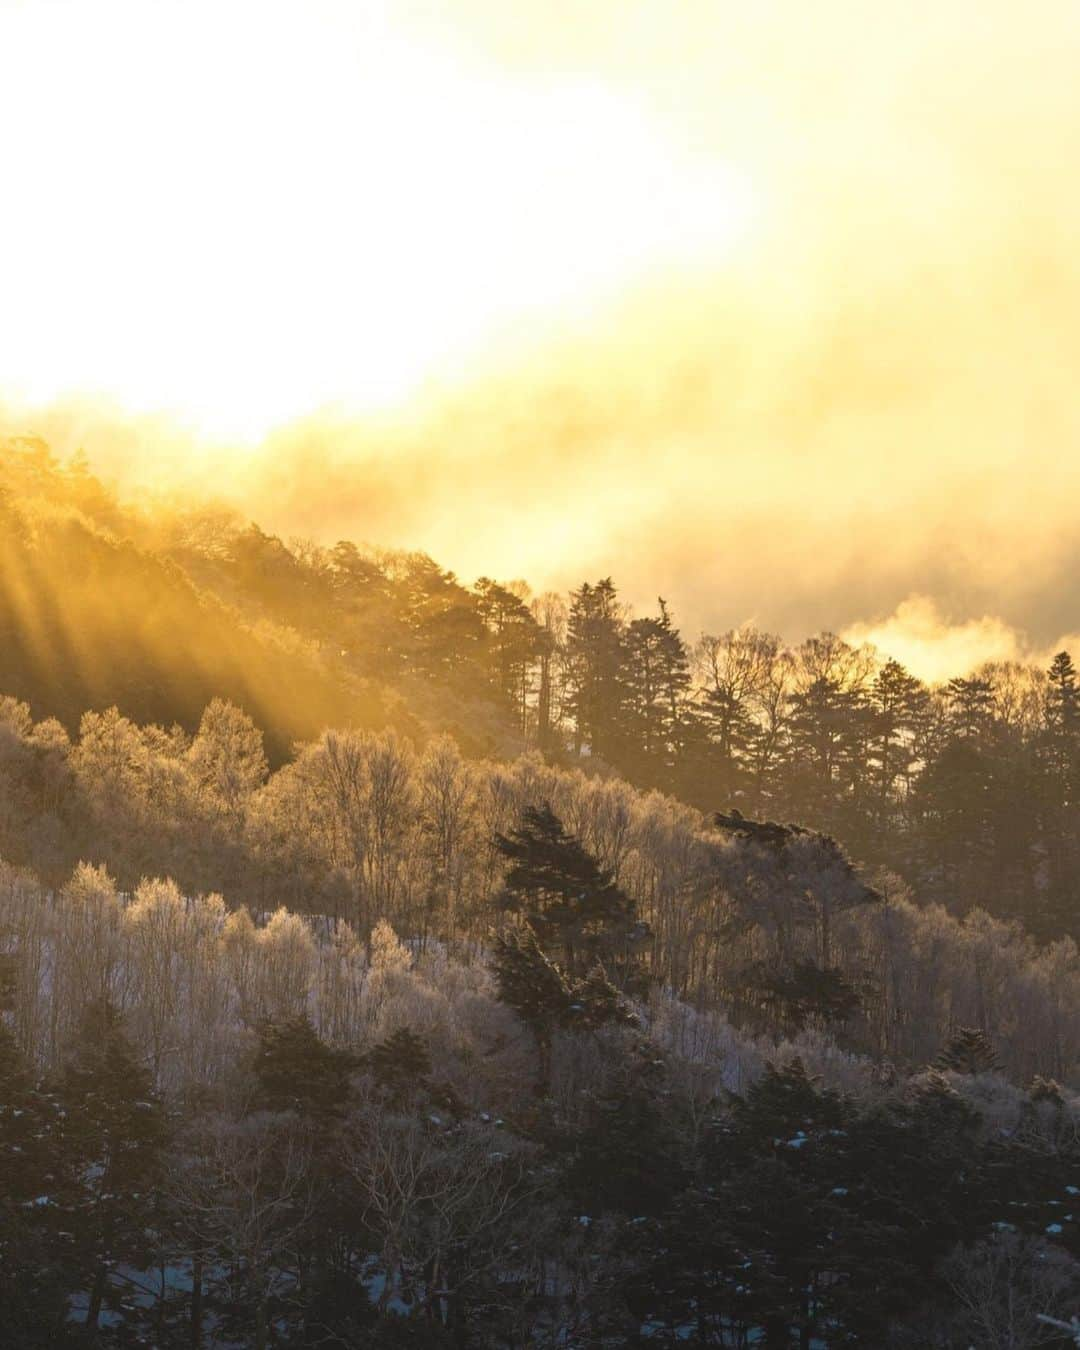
x=772 y=309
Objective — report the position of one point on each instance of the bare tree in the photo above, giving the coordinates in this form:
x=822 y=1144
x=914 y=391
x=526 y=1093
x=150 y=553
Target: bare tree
x=244 y=1191
x=1008 y=1285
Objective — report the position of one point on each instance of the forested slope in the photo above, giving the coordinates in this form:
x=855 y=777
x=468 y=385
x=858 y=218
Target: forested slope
x=968 y=790
x=376 y=968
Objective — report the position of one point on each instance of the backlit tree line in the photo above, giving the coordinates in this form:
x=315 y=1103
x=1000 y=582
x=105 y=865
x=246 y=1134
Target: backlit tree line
x=967 y=790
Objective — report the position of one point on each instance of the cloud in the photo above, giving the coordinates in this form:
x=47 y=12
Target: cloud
x=918 y=636
x=921 y=638
x=866 y=409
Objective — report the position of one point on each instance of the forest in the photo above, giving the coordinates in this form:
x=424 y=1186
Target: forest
x=387 y=960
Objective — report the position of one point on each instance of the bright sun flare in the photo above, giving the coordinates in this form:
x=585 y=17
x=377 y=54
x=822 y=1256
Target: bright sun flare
x=258 y=210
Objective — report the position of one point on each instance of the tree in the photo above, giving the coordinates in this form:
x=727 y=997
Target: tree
x=35 y=1277
x=110 y=1149
x=803 y=994
x=570 y=901
x=595 y=654
x=400 y=1064
x=434 y=1199
x=627 y=1157
x=597 y=1003
x=655 y=678
x=1063 y=700
x=1060 y=782
x=827 y=726
x=513 y=643
x=245 y=1192
x=296 y=1071
x=897 y=703
x=733 y=672
x=971 y=708
x=968 y=1050
x=534 y=987
x=227 y=758
x=1004 y=1283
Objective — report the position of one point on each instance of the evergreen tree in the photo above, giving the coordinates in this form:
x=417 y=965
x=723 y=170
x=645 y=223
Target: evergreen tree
x=110 y=1151
x=401 y=1063
x=827 y=728
x=35 y=1276
x=656 y=675
x=803 y=994
x=597 y=1003
x=897 y=705
x=952 y=814
x=628 y=1156
x=297 y=1071
x=968 y=1051
x=971 y=709
x=1055 y=910
x=595 y=655
x=1063 y=700
x=513 y=644
x=569 y=900
x=534 y=987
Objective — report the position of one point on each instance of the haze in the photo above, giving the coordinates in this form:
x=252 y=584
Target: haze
x=772 y=309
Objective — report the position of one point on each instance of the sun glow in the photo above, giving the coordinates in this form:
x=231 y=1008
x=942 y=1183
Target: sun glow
x=238 y=213
x=772 y=308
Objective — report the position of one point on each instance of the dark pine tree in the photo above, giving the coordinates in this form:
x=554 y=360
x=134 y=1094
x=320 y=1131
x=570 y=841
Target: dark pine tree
x=297 y=1071
x=1056 y=910
x=400 y=1064
x=968 y=1050
x=628 y=1158
x=534 y=987
x=802 y=994
x=35 y=1277
x=111 y=1149
x=597 y=1003
x=656 y=675
x=594 y=654
x=570 y=901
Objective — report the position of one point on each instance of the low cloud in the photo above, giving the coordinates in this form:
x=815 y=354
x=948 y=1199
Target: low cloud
x=921 y=637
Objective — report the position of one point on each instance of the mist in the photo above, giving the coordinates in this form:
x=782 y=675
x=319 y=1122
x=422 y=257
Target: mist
x=858 y=416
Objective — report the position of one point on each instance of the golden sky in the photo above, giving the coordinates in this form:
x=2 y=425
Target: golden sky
x=773 y=308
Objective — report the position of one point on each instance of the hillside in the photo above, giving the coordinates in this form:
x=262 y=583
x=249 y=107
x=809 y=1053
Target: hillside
x=966 y=790
x=374 y=969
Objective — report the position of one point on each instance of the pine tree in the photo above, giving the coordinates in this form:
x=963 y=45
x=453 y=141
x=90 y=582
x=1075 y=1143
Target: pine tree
x=1059 y=762
x=786 y=1102
x=1063 y=697
x=110 y=1148
x=400 y=1064
x=971 y=708
x=1043 y=1089
x=968 y=1051
x=34 y=1280
x=297 y=1071
x=655 y=678
x=803 y=994
x=570 y=901
x=534 y=987
x=513 y=643
x=597 y=1003
x=628 y=1158
x=827 y=727
x=897 y=704
x=595 y=654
